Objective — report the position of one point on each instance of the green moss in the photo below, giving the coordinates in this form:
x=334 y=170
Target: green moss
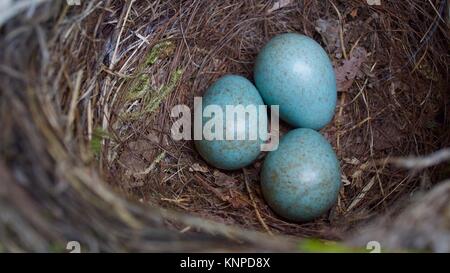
x=152 y=99
x=140 y=88
x=321 y=246
x=159 y=158
x=160 y=50
x=141 y=85
x=155 y=98
x=57 y=248
x=96 y=142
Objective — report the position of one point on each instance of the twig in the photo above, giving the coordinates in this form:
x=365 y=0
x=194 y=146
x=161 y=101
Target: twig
x=113 y=59
x=423 y=162
x=9 y=10
x=344 y=52
x=341 y=30
x=258 y=215
x=361 y=195
x=73 y=103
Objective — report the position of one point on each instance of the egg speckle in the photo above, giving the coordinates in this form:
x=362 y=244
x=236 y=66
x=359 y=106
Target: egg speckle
x=294 y=72
x=233 y=154
x=301 y=179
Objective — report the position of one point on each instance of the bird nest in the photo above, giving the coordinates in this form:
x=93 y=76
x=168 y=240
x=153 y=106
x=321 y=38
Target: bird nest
x=87 y=92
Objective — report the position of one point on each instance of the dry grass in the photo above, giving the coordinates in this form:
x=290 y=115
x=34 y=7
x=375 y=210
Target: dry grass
x=90 y=90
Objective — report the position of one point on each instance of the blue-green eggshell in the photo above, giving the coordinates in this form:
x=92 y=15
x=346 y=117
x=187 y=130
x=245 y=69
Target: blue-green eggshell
x=294 y=72
x=233 y=154
x=301 y=179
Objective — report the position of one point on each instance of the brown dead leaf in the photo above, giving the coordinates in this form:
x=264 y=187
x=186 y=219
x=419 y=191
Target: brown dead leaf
x=132 y=160
x=278 y=5
x=153 y=137
x=346 y=73
x=232 y=196
x=237 y=199
x=362 y=194
x=352 y=161
x=198 y=168
x=329 y=30
x=224 y=180
x=345 y=180
x=142 y=148
x=354 y=13
x=373 y=2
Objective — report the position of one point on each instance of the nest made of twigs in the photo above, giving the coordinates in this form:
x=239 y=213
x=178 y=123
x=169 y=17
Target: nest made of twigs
x=87 y=94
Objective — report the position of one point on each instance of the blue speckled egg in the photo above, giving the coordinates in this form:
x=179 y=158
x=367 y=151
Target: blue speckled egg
x=294 y=72
x=233 y=154
x=301 y=179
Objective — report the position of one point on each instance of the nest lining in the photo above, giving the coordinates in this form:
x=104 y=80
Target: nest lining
x=114 y=70
x=385 y=111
